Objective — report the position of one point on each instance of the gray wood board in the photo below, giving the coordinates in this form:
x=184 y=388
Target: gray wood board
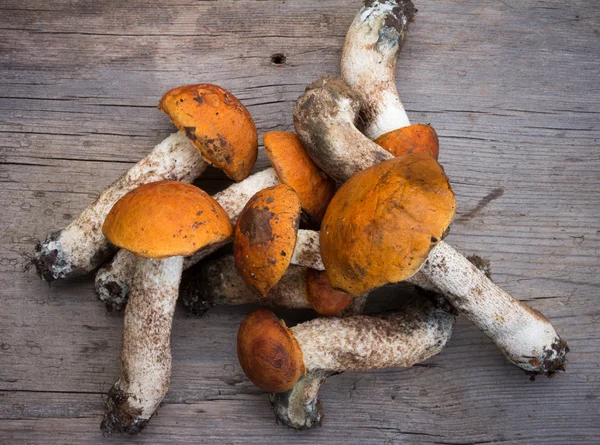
x=513 y=89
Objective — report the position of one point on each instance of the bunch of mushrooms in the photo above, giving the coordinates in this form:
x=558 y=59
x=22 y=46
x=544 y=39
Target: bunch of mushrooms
x=385 y=224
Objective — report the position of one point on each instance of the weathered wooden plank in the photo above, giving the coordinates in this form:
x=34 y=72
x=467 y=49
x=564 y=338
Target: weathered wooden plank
x=511 y=88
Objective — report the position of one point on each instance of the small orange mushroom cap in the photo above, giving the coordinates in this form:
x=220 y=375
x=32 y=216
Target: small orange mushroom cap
x=416 y=138
x=269 y=353
x=382 y=223
x=295 y=168
x=265 y=236
x=218 y=125
x=166 y=218
x=323 y=298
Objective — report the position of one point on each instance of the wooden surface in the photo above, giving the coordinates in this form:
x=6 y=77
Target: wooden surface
x=513 y=89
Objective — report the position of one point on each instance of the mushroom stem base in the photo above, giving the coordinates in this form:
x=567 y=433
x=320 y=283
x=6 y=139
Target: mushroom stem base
x=523 y=334
x=300 y=408
x=146 y=353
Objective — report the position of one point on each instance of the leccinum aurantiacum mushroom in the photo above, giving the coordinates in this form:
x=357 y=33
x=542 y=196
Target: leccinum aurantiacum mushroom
x=217 y=282
x=160 y=223
x=324 y=118
x=215 y=129
x=291 y=166
x=295 y=362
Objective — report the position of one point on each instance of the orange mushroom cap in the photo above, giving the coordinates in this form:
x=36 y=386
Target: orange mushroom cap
x=166 y=218
x=295 y=168
x=416 y=138
x=382 y=223
x=265 y=236
x=323 y=298
x=269 y=353
x=218 y=125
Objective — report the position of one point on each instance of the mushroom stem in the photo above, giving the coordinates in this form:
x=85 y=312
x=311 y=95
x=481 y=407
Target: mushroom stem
x=373 y=44
x=218 y=282
x=80 y=247
x=524 y=335
x=356 y=344
x=113 y=279
x=300 y=408
x=146 y=352
x=307 y=250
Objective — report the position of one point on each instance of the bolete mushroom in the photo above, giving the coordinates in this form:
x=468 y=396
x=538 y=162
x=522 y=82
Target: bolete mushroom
x=369 y=58
x=294 y=363
x=291 y=166
x=265 y=236
x=217 y=282
x=324 y=118
x=161 y=223
x=210 y=119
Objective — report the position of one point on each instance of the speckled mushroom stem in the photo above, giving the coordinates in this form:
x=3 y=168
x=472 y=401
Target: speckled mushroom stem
x=357 y=344
x=146 y=351
x=113 y=279
x=218 y=282
x=524 y=335
x=80 y=247
x=373 y=44
x=324 y=118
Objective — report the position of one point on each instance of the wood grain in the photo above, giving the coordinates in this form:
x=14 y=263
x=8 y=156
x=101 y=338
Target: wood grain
x=512 y=89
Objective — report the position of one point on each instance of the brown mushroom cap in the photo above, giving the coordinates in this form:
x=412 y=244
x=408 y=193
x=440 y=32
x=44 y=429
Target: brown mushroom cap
x=217 y=124
x=382 y=223
x=265 y=236
x=323 y=298
x=269 y=353
x=166 y=218
x=295 y=168
x=416 y=138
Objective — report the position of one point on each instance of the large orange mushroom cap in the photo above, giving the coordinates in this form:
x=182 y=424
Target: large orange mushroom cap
x=295 y=168
x=416 y=138
x=269 y=353
x=382 y=223
x=323 y=298
x=265 y=236
x=166 y=218
x=217 y=124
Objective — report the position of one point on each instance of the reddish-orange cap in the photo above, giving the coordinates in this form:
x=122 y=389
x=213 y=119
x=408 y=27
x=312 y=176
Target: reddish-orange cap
x=217 y=124
x=269 y=353
x=382 y=223
x=416 y=138
x=166 y=218
x=295 y=168
x=265 y=236
x=323 y=298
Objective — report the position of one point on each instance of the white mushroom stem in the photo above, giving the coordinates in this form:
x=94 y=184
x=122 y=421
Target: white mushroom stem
x=524 y=335
x=324 y=118
x=373 y=44
x=218 y=282
x=146 y=351
x=80 y=247
x=113 y=279
x=356 y=344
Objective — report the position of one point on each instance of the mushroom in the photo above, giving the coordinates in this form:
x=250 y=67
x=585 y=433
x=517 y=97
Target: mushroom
x=294 y=363
x=291 y=166
x=324 y=118
x=295 y=168
x=113 y=279
x=160 y=223
x=211 y=119
x=217 y=282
